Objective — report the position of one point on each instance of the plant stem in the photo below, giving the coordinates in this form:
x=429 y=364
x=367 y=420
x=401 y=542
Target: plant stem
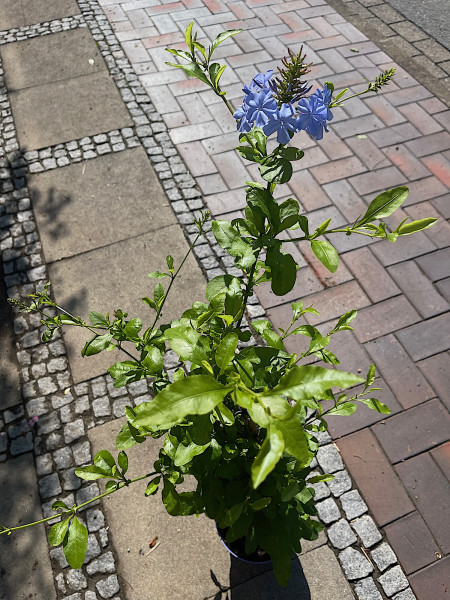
x=74 y=508
x=158 y=312
x=248 y=289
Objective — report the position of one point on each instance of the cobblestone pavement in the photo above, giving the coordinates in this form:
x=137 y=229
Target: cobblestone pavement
x=399 y=466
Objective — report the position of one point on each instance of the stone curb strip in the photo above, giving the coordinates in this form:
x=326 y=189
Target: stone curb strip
x=67 y=412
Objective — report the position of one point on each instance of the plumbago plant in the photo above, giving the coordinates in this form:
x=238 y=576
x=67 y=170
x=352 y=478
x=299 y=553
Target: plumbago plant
x=239 y=420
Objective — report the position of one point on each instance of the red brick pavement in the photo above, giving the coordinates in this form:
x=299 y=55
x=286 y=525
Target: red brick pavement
x=400 y=463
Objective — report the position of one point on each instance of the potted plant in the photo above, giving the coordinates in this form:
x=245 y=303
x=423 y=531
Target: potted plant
x=240 y=417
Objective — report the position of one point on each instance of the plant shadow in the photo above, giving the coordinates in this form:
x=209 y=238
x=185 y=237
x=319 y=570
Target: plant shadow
x=253 y=581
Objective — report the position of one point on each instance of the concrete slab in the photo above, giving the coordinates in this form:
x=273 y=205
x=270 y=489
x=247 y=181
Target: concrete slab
x=88 y=205
x=50 y=58
x=25 y=563
x=10 y=390
x=61 y=111
x=18 y=13
x=189 y=547
x=116 y=276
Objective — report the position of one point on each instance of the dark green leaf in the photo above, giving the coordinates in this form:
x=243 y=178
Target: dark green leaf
x=122 y=459
x=260 y=503
x=75 y=544
x=132 y=328
x=96 y=344
x=326 y=253
x=370 y=376
x=268 y=456
x=152 y=487
x=178 y=504
x=295 y=440
x=276 y=170
x=153 y=360
x=91 y=472
x=125 y=372
x=59 y=504
x=188 y=36
x=343 y=322
x=128 y=436
x=158 y=294
x=283 y=269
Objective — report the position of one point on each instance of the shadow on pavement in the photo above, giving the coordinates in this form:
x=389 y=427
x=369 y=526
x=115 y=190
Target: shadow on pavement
x=262 y=583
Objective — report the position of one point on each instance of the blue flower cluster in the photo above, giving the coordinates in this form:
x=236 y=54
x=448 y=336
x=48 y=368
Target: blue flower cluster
x=260 y=108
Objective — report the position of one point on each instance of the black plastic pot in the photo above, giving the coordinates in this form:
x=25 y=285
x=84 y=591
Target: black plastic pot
x=236 y=549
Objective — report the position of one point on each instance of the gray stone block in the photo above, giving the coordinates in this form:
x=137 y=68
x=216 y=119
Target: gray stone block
x=353 y=505
x=355 y=565
x=95 y=519
x=393 y=581
x=405 y=595
x=341 y=535
x=49 y=486
x=108 y=587
x=328 y=511
x=76 y=580
x=73 y=431
x=329 y=459
x=384 y=556
x=103 y=564
x=367 y=531
x=367 y=590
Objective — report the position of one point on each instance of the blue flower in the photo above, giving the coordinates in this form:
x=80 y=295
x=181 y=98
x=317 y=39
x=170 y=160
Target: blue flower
x=244 y=126
x=259 y=82
x=314 y=113
x=262 y=105
x=282 y=121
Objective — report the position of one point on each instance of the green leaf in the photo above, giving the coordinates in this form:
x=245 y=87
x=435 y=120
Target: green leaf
x=169 y=261
x=414 y=226
x=158 y=294
x=184 y=454
x=91 y=472
x=196 y=395
x=187 y=343
x=290 y=153
x=222 y=37
x=322 y=228
x=319 y=478
x=283 y=269
x=267 y=457
x=260 y=503
x=249 y=153
x=128 y=436
x=97 y=319
x=295 y=440
x=343 y=322
x=157 y=275
x=277 y=170
x=122 y=459
x=125 y=372
x=96 y=344
x=264 y=327
x=150 y=302
x=59 y=504
x=75 y=544
x=192 y=70
x=326 y=253
x=370 y=376
x=384 y=205
x=104 y=460
x=308 y=381
x=188 y=37
x=226 y=350
x=345 y=409
x=215 y=72
x=304 y=225
x=132 y=328
x=152 y=487
x=178 y=504
x=376 y=405
x=153 y=360
x=58 y=531
x=228 y=238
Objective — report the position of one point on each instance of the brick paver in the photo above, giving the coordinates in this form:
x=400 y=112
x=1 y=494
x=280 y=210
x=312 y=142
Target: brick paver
x=400 y=137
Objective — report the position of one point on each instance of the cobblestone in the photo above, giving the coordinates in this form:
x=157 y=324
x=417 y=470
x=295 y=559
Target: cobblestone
x=108 y=587
x=104 y=564
x=367 y=590
x=367 y=531
x=341 y=535
x=393 y=581
x=355 y=565
x=329 y=459
x=328 y=511
x=353 y=505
